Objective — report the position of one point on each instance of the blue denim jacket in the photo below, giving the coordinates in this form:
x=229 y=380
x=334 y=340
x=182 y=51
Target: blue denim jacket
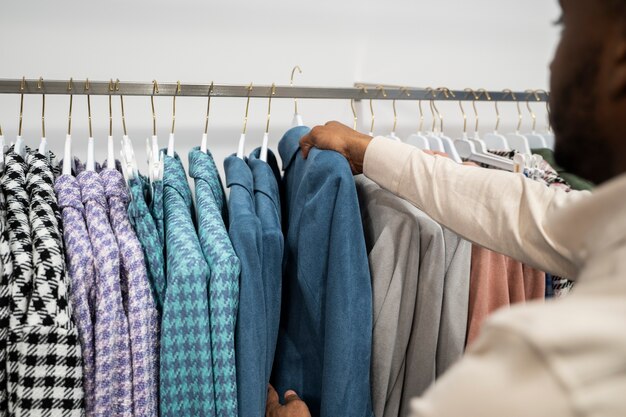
x=325 y=338
x=268 y=210
x=250 y=334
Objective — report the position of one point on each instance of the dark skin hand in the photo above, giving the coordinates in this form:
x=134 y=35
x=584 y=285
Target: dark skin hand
x=293 y=407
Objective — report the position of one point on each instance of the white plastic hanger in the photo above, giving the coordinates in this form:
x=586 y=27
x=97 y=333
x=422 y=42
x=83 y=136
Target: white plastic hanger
x=91 y=152
x=127 y=152
x=241 y=149
x=19 y=148
x=516 y=140
x=69 y=165
x=535 y=140
x=266 y=135
x=419 y=140
x=468 y=149
x=170 y=142
x=43 y=144
x=110 y=144
x=155 y=164
x=297 y=119
x=203 y=143
x=495 y=141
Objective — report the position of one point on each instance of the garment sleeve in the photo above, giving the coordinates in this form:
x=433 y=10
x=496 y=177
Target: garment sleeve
x=502 y=375
x=499 y=210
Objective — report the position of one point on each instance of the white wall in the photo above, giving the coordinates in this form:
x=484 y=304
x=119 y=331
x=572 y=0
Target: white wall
x=454 y=43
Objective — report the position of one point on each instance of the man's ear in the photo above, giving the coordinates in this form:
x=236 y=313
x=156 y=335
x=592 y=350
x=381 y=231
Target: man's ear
x=617 y=68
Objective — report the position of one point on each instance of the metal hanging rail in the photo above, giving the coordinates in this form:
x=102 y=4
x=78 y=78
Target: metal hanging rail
x=359 y=92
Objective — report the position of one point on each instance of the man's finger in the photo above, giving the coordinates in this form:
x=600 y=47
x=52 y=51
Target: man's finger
x=291 y=396
x=272 y=399
x=305 y=145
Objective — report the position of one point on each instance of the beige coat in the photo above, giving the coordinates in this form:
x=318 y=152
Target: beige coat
x=561 y=358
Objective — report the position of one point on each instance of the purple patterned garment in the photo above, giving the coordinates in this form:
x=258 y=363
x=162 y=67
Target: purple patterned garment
x=80 y=262
x=142 y=312
x=113 y=388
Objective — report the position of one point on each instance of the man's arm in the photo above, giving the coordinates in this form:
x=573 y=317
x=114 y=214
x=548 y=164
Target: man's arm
x=501 y=211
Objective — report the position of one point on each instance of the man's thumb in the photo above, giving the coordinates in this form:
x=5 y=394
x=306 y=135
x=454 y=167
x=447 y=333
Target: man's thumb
x=291 y=396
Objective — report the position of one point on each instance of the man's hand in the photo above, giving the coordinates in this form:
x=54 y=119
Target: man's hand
x=338 y=137
x=294 y=406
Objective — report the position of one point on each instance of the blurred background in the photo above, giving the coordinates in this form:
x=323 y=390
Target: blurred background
x=444 y=43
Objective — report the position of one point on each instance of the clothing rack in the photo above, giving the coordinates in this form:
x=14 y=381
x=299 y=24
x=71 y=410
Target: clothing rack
x=360 y=91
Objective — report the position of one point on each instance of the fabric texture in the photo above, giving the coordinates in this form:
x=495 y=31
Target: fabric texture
x=187 y=386
x=224 y=269
x=6 y=261
x=325 y=336
x=574 y=181
x=250 y=334
x=148 y=235
x=142 y=312
x=392 y=235
x=81 y=271
x=575 y=367
x=114 y=393
x=267 y=202
x=44 y=350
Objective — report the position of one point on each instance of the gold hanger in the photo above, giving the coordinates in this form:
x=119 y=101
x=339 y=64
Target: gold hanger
x=475 y=97
x=447 y=92
x=544 y=92
x=40 y=86
x=352 y=106
x=530 y=110
x=433 y=107
x=22 y=88
x=520 y=116
x=269 y=108
x=464 y=118
x=87 y=87
x=379 y=88
x=293 y=72
x=208 y=109
x=178 y=89
x=111 y=90
x=155 y=90
x=117 y=89
x=70 y=88
x=245 y=119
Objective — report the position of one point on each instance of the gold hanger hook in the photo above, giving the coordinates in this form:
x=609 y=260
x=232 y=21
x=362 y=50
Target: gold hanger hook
x=40 y=86
x=70 y=88
x=111 y=90
x=432 y=106
x=379 y=88
x=245 y=119
x=545 y=93
x=475 y=97
x=293 y=73
x=530 y=110
x=354 y=115
x=22 y=88
x=520 y=116
x=446 y=92
x=155 y=90
x=87 y=87
x=395 y=112
x=208 y=109
x=178 y=89
x=269 y=108
x=117 y=88
x=464 y=117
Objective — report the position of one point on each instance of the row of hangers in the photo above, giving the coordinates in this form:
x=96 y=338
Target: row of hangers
x=127 y=154
x=471 y=146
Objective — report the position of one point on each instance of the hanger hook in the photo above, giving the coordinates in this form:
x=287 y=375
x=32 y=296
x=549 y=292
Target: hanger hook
x=475 y=97
x=432 y=106
x=379 y=88
x=293 y=72
x=111 y=90
x=155 y=90
x=87 y=88
x=178 y=89
x=545 y=93
x=70 y=88
x=352 y=106
x=464 y=117
x=446 y=92
x=208 y=109
x=117 y=89
x=40 y=86
x=520 y=116
x=530 y=110
x=22 y=88
x=269 y=108
x=245 y=119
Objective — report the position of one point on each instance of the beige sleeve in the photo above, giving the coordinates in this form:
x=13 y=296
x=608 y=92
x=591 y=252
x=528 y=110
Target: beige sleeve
x=501 y=375
x=499 y=210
